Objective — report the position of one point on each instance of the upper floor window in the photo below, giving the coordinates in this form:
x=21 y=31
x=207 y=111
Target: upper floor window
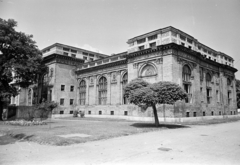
x=141 y=40
x=66 y=49
x=152 y=37
x=186 y=73
x=152 y=44
x=189 y=41
x=74 y=51
x=141 y=47
x=208 y=79
x=229 y=82
x=174 y=34
x=62 y=87
x=71 y=88
x=124 y=83
x=61 y=101
x=182 y=37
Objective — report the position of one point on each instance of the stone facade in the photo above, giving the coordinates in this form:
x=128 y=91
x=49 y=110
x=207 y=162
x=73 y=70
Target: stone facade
x=96 y=87
x=165 y=63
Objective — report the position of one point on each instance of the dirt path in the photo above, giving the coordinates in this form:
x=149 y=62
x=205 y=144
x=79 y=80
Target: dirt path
x=213 y=144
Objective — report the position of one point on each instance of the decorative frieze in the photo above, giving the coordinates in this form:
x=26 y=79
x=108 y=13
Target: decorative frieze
x=159 y=61
x=135 y=65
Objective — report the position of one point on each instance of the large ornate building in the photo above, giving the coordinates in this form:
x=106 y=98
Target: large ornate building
x=93 y=82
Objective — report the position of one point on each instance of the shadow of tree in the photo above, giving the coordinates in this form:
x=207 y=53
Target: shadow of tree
x=152 y=125
x=22 y=136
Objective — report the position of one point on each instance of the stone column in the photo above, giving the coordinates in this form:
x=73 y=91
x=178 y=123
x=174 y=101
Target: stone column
x=95 y=89
x=119 y=83
x=109 y=88
x=87 y=90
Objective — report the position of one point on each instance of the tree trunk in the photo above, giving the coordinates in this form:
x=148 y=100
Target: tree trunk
x=1 y=108
x=155 y=115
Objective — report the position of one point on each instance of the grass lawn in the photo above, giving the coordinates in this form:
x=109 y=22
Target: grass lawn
x=96 y=128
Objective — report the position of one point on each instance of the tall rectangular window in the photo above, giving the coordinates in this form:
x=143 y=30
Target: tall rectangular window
x=71 y=88
x=217 y=95
x=62 y=101
x=62 y=87
x=102 y=91
x=71 y=101
x=82 y=94
x=209 y=95
x=229 y=97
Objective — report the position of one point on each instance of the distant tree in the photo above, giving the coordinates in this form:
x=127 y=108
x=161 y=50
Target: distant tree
x=20 y=59
x=143 y=94
x=238 y=92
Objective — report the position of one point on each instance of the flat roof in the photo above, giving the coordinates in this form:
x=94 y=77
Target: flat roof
x=72 y=47
x=169 y=28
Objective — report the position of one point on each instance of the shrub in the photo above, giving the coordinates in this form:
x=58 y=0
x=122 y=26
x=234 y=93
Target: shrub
x=82 y=113
x=75 y=113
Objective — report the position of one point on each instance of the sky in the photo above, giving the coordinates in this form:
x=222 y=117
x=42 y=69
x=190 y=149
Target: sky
x=106 y=25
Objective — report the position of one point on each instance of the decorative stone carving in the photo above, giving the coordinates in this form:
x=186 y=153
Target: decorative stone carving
x=148 y=70
x=135 y=65
x=91 y=81
x=114 y=77
x=159 y=61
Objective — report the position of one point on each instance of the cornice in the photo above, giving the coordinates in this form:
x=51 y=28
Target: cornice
x=62 y=59
x=101 y=66
x=177 y=47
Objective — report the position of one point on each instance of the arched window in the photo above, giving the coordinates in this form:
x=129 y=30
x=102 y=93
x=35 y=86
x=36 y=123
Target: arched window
x=82 y=90
x=208 y=79
x=148 y=70
x=186 y=73
x=124 y=83
x=229 y=82
x=209 y=90
x=102 y=91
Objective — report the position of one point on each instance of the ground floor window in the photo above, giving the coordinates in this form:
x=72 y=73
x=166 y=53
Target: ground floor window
x=187 y=88
x=82 y=98
x=209 y=95
x=229 y=97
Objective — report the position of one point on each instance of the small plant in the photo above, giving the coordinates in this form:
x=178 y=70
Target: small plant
x=82 y=113
x=25 y=122
x=75 y=113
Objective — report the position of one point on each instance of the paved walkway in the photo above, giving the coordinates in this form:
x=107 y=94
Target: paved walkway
x=213 y=144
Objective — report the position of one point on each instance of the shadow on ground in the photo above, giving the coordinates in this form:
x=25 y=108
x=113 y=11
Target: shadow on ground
x=10 y=139
x=152 y=125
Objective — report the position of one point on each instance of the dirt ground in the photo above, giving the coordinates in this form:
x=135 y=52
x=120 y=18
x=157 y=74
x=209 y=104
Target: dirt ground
x=209 y=144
